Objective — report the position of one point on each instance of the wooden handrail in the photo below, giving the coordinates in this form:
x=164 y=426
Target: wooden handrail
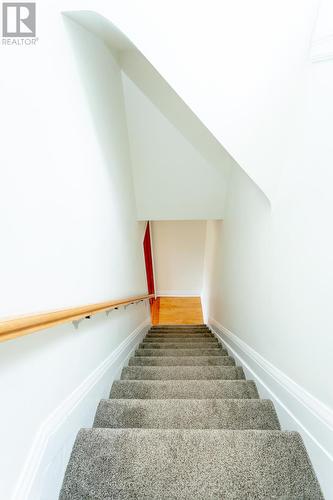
x=23 y=325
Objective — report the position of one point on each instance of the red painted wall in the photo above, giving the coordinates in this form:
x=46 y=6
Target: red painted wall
x=148 y=260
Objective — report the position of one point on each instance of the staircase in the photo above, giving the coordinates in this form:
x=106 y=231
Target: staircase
x=183 y=423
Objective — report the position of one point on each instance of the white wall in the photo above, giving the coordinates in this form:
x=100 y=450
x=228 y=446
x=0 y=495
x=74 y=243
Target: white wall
x=280 y=256
x=69 y=237
x=268 y=281
x=167 y=101
x=238 y=265
x=178 y=248
x=172 y=178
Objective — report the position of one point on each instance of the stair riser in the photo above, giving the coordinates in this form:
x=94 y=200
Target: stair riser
x=179 y=345
x=181 y=352
x=185 y=330
x=182 y=373
x=183 y=389
x=182 y=361
x=180 y=332
x=178 y=326
x=187 y=414
x=180 y=338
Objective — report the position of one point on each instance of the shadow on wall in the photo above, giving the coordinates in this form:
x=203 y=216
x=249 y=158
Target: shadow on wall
x=237 y=275
x=159 y=92
x=99 y=75
x=96 y=71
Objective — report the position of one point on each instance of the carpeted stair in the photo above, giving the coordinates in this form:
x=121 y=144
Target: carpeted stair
x=183 y=423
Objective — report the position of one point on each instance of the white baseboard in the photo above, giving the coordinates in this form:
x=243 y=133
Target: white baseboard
x=178 y=293
x=204 y=307
x=297 y=409
x=45 y=465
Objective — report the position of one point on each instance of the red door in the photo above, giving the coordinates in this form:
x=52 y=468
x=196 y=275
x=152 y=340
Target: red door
x=148 y=260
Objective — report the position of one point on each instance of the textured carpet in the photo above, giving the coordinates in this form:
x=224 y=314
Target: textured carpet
x=181 y=361
x=182 y=463
x=173 y=337
x=182 y=373
x=186 y=351
x=187 y=414
x=180 y=345
x=183 y=423
x=184 y=389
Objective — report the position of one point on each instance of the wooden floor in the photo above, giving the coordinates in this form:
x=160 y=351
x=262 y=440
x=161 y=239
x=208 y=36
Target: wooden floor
x=176 y=311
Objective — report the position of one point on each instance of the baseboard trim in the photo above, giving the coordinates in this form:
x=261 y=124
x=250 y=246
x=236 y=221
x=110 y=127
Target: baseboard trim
x=297 y=409
x=51 y=433
x=178 y=293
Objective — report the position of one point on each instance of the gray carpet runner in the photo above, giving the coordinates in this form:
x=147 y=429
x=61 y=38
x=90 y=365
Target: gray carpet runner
x=183 y=423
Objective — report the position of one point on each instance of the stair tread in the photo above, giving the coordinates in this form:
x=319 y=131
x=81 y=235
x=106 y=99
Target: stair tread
x=183 y=389
x=181 y=352
x=181 y=361
x=187 y=414
x=161 y=463
x=182 y=372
